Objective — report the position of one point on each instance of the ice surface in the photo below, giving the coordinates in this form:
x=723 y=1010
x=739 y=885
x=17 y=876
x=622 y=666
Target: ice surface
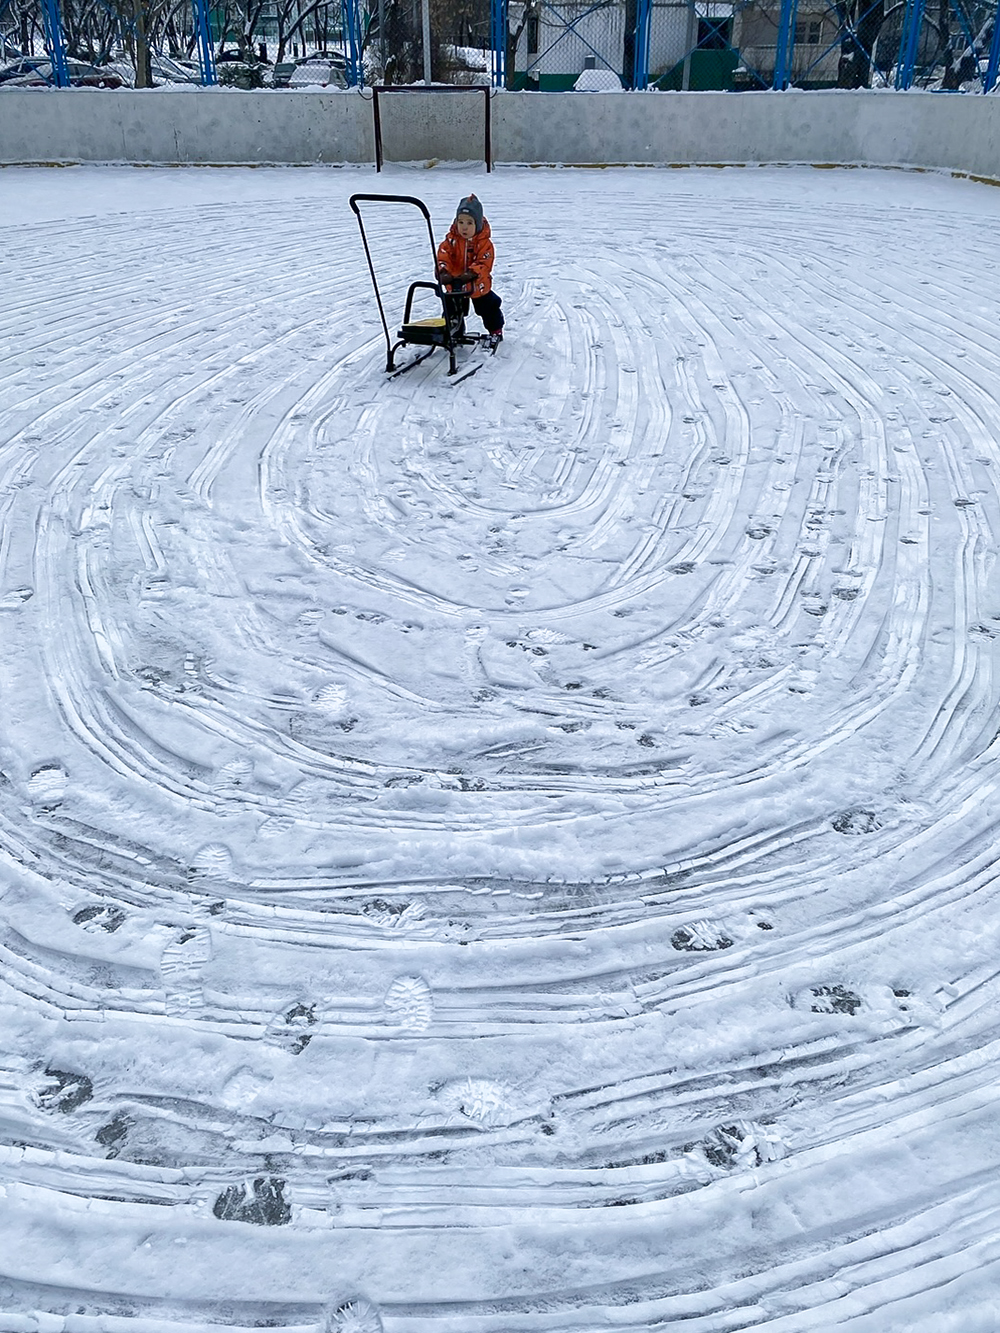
x=515 y=855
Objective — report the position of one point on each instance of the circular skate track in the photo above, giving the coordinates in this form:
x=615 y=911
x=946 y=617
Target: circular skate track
x=509 y=856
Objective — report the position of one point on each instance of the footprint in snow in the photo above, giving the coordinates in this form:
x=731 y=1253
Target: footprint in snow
x=857 y=821
x=358 y=1316
x=392 y=914
x=244 y=1087
x=153 y=677
x=15 y=598
x=742 y=1145
x=834 y=999
x=290 y=1030
x=101 y=916
x=65 y=1091
x=276 y=826
x=182 y=966
x=233 y=777
x=260 y=1201
x=331 y=699
x=546 y=636
x=213 y=861
x=409 y=1004
x=701 y=937
x=47 y=786
x=112 y=1136
x=481 y=1100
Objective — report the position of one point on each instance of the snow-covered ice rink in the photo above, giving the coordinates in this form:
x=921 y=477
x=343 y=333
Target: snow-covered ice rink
x=515 y=856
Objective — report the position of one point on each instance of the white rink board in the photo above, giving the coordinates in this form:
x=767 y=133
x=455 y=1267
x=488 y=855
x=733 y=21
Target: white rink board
x=222 y=126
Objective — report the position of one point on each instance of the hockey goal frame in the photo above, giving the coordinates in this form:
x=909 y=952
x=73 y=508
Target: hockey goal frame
x=382 y=88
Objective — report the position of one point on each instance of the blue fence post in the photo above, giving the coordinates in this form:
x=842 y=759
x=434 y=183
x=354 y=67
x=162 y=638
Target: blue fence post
x=909 y=43
x=993 y=65
x=54 y=42
x=786 y=44
x=498 y=41
x=206 y=52
x=643 y=18
x=353 y=43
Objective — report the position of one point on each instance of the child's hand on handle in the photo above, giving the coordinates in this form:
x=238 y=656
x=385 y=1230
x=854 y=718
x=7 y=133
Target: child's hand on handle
x=453 y=280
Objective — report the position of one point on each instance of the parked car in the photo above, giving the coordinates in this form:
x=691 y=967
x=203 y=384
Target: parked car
x=38 y=73
x=168 y=70
x=328 y=69
x=23 y=65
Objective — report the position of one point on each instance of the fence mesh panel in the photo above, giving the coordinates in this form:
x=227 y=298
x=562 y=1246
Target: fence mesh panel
x=741 y=45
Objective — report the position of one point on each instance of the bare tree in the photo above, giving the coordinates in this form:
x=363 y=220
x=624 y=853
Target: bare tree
x=21 y=24
x=292 y=17
x=860 y=21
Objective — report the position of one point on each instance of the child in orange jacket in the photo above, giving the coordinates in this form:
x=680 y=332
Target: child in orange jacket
x=465 y=264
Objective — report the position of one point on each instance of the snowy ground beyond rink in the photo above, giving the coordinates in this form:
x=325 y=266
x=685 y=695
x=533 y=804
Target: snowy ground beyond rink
x=508 y=857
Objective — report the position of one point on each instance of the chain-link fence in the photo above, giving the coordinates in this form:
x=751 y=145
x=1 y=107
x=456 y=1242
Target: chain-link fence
x=245 y=43
x=550 y=45
x=739 y=45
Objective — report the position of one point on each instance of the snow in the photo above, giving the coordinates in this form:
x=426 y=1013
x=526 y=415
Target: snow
x=507 y=855
x=598 y=81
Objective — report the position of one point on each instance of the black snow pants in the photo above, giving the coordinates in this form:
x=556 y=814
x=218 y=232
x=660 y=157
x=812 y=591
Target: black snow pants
x=486 y=307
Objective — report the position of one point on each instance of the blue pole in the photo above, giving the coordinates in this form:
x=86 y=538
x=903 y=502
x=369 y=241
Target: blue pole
x=909 y=43
x=993 y=65
x=786 y=44
x=351 y=10
x=54 y=42
x=498 y=40
x=206 y=53
x=643 y=15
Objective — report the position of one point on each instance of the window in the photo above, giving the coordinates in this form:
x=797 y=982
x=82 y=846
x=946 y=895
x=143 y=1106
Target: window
x=808 y=32
x=532 y=36
x=714 y=34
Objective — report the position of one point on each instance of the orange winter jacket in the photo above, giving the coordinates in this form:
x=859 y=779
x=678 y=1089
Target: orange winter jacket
x=476 y=256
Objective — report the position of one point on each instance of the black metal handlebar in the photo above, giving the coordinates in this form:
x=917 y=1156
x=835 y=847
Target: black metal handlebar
x=357 y=199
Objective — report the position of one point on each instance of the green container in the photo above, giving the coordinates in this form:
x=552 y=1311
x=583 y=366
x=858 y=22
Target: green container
x=711 y=71
x=557 y=83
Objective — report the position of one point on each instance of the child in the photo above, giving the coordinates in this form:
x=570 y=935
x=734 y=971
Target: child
x=465 y=264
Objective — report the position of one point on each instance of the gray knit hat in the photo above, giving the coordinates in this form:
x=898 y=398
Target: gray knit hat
x=471 y=205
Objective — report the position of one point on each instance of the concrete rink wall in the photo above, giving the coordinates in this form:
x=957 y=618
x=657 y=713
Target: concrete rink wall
x=196 y=127
x=959 y=133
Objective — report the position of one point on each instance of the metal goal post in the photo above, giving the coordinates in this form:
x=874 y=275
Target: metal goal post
x=381 y=89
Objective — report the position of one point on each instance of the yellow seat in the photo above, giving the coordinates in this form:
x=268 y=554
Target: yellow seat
x=430 y=332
